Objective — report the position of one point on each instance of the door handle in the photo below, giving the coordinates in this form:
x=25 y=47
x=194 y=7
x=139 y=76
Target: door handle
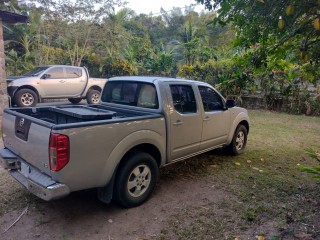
x=207 y=118
x=178 y=122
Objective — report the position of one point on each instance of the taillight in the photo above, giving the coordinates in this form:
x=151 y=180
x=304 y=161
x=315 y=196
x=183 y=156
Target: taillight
x=58 y=151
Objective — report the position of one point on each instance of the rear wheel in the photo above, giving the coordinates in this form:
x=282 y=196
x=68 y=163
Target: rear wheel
x=74 y=100
x=136 y=179
x=25 y=98
x=239 y=141
x=93 y=97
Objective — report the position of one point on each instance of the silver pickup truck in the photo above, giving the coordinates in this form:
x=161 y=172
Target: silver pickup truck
x=54 y=82
x=118 y=146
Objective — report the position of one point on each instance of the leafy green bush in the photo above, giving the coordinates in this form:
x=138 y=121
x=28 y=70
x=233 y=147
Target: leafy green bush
x=313 y=170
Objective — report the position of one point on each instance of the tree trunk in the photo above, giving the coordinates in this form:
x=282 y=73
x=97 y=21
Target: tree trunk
x=3 y=85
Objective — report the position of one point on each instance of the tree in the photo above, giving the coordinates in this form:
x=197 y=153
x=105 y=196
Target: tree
x=293 y=24
x=115 y=31
x=69 y=23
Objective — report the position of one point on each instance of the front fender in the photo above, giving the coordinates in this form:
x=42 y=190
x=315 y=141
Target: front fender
x=24 y=82
x=240 y=117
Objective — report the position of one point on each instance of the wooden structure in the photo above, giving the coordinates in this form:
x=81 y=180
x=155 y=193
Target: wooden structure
x=8 y=18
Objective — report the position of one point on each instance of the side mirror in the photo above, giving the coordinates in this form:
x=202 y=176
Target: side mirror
x=230 y=103
x=45 y=76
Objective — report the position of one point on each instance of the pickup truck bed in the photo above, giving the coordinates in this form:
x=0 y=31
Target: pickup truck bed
x=75 y=114
x=27 y=133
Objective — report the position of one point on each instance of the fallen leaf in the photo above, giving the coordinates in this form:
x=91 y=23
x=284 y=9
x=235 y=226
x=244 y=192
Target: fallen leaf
x=262 y=1
x=254 y=168
x=237 y=163
x=261 y=238
x=260 y=170
x=248 y=161
x=237 y=238
x=262 y=160
x=303 y=235
x=110 y=221
x=214 y=166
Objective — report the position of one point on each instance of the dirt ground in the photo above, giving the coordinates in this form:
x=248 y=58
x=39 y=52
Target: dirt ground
x=82 y=216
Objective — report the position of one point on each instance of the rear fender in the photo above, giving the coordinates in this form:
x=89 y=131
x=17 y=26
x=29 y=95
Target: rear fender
x=128 y=143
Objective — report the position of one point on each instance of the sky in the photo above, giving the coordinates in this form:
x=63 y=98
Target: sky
x=147 y=6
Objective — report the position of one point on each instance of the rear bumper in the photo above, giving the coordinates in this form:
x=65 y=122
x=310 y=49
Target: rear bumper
x=32 y=179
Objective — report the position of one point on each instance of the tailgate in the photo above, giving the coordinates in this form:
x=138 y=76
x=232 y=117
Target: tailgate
x=27 y=139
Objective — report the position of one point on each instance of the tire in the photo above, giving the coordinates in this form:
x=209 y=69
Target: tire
x=239 y=141
x=93 y=97
x=135 y=179
x=74 y=100
x=25 y=98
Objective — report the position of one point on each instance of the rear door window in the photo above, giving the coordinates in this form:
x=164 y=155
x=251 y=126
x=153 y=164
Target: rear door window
x=183 y=98
x=72 y=72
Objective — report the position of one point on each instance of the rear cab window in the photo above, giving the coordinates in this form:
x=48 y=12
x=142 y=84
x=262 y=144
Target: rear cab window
x=138 y=94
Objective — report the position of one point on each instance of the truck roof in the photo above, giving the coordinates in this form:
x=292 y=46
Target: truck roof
x=57 y=65
x=152 y=79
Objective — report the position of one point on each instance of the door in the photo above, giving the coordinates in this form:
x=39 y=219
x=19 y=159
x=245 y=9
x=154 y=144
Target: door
x=185 y=122
x=76 y=81
x=53 y=83
x=216 y=120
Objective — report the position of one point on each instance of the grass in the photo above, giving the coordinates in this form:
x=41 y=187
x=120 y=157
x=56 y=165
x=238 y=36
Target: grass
x=12 y=195
x=270 y=196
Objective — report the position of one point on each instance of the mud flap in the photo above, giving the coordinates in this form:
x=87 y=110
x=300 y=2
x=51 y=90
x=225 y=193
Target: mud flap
x=105 y=193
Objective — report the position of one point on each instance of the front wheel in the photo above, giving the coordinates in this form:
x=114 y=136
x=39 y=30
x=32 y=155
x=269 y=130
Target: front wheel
x=25 y=98
x=136 y=179
x=74 y=100
x=93 y=97
x=239 y=141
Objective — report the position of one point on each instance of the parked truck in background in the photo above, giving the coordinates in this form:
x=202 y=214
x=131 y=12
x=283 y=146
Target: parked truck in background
x=118 y=146
x=54 y=82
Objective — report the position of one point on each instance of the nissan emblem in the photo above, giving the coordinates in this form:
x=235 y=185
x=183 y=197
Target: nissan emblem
x=21 y=122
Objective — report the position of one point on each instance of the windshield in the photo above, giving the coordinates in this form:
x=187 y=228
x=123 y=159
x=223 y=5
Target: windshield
x=36 y=71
